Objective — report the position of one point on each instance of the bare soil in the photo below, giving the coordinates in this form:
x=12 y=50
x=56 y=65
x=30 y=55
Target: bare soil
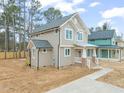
x=116 y=77
x=16 y=77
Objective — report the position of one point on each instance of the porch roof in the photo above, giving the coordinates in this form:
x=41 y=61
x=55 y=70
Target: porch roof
x=42 y=44
x=109 y=46
x=81 y=44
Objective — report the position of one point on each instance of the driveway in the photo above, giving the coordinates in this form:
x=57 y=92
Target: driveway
x=89 y=84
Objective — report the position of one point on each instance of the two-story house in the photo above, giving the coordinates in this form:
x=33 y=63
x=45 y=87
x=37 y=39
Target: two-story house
x=107 y=44
x=60 y=43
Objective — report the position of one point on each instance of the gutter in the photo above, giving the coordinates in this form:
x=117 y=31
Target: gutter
x=44 y=31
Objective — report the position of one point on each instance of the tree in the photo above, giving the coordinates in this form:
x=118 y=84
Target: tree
x=33 y=10
x=52 y=14
x=7 y=19
x=106 y=26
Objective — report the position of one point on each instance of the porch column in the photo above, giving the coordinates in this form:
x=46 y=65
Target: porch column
x=116 y=55
x=94 y=52
x=84 y=53
x=119 y=55
x=99 y=53
x=108 y=53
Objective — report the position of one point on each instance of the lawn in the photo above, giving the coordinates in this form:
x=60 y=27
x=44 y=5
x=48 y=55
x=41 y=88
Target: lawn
x=15 y=77
x=116 y=77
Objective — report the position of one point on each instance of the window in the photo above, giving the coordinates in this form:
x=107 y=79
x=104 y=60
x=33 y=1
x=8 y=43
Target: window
x=68 y=34
x=67 y=52
x=44 y=50
x=79 y=36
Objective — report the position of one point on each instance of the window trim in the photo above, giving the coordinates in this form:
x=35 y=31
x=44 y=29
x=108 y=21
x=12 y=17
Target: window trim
x=43 y=51
x=71 y=31
x=69 y=53
x=77 y=35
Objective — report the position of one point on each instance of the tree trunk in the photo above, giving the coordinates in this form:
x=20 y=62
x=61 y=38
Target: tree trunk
x=19 y=30
x=24 y=28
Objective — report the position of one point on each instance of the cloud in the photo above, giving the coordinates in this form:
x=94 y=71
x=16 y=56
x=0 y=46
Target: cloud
x=46 y=3
x=64 y=5
x=75 y=2
x=94 y=4
x=115 y=12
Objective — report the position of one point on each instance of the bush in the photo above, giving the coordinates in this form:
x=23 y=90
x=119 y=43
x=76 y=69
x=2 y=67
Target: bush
x=27 y=63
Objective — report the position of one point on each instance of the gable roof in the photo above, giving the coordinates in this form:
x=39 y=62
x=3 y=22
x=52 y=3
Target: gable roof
x=54 y=24
x=101 y=35
x=41 y=43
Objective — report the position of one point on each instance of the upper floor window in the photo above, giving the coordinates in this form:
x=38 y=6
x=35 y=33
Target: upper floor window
x=68 y=34
x=79 y=36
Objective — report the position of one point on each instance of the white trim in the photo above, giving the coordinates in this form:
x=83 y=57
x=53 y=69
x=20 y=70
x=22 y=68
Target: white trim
x=66 y=45
x=69 y=30
x=69 y=53
x=45 y=50
x=68 y=20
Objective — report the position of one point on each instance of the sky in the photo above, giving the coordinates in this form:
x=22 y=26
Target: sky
x=93 y=12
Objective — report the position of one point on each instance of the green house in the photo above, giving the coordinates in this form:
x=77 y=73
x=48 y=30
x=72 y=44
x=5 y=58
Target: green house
x=107 y=45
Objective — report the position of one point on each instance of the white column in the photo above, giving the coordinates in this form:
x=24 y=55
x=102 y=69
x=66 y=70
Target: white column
x=84 y=53
x=116 y=55
x=94 y=52
x=108 y=53
x=99 y=55
x=119 y=54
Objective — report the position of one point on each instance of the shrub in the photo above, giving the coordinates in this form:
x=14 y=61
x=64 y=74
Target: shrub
x=27 y=63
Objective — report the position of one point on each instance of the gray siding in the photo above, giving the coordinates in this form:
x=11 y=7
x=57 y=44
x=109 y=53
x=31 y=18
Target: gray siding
x=53 y=39
x=64 y=61
x=45 y=58
x=75 y=28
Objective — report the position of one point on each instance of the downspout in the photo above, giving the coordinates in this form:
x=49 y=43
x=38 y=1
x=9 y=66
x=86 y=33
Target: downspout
x=29 y=51
x=38 y=59
x=59 y=51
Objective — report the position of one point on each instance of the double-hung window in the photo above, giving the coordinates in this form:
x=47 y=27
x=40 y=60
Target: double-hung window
x=68 y=34
x=67 y=52
x=79 y=36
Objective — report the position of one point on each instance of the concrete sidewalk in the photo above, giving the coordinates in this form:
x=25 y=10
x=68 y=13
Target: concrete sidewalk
x=88 y=84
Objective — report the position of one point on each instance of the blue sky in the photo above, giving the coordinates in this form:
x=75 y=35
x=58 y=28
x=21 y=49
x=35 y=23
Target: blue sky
x=93 y=12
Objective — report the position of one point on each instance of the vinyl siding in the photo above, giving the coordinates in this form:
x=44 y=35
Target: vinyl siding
x=75 y=27
x=53 y=39
x=67 y=60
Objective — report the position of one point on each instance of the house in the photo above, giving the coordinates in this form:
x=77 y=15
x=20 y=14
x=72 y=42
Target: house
x=107 y=45
x=60 y=43
x=120 y=43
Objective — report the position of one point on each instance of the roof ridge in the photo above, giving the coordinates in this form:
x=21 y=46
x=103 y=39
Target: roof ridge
x=55 y=23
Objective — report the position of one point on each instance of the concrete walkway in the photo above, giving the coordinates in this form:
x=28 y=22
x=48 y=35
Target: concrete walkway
x=88 y=84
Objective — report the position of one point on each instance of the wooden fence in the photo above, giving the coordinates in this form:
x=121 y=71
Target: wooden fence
x=13 y=55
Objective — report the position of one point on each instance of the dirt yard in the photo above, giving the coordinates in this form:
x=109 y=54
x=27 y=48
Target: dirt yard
x=15 y=77
x=115 y=77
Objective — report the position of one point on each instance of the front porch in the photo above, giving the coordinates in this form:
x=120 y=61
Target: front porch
x=110 y=54
x=86 y=55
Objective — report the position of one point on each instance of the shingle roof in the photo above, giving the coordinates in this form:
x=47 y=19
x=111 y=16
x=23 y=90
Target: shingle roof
x=101 y=35
x=109 y=46
x=42 y=44
x=54 y=23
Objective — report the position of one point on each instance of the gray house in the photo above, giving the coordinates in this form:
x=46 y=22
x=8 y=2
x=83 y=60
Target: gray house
x=60 y=43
